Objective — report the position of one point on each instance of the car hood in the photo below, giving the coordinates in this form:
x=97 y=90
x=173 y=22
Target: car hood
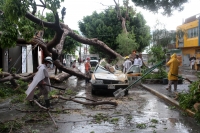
x=104 y=76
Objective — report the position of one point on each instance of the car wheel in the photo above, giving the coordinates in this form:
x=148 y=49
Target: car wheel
x=126 y=92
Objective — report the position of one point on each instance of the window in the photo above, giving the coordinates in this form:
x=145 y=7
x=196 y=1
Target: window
x=197 y=51
x=189 y=33
x=193 y=32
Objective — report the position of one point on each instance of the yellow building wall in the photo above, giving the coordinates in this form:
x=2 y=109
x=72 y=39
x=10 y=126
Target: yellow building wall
x=192 y=42
x=188 y=42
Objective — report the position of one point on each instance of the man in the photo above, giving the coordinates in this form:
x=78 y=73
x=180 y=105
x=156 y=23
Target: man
x=64 y=62
x=40 y=79
x=74 y=64
x=87 y=69
x=173 y=64
x=138 y=61
x=127 y=64
x=132 y=56
x=198 y=63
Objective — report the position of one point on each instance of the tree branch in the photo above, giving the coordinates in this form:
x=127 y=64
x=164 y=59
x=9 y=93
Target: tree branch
x=93 y=42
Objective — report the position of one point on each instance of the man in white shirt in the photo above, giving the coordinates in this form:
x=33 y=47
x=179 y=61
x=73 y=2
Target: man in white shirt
x=40 y=80
x=64 y=62
x=138 y=61
x=127 y=64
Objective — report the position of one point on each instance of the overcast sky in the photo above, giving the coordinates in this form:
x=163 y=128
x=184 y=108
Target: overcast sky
x=77 y=9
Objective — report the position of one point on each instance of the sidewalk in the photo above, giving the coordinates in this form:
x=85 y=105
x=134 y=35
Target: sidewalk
x=160 y=90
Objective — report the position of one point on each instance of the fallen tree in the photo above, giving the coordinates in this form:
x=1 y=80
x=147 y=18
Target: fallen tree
x=49 y=48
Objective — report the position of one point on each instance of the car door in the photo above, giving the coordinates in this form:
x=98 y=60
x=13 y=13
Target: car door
x=133 y=74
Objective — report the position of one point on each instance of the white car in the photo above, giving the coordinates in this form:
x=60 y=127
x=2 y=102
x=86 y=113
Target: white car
x=112 y=80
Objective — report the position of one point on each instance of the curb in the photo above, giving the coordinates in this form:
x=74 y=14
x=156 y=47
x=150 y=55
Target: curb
x=167 y=99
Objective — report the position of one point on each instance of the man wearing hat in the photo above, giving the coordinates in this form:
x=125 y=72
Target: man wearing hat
x=127 y=64
x=39 y=80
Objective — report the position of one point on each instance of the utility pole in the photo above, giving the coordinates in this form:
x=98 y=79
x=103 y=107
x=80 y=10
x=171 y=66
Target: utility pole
x=80 y=54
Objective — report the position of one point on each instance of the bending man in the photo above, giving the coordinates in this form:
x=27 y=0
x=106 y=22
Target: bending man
x=40 y=79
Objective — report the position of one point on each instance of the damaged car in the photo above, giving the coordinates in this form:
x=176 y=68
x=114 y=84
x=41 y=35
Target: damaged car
x=108 y=79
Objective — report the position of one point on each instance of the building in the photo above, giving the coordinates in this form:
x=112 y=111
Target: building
x=20 y=58
x=187 y=39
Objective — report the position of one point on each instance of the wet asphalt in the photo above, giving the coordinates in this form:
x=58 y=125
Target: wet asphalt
x=140 y=112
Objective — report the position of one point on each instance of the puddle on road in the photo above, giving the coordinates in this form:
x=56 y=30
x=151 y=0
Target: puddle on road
x=81 y=93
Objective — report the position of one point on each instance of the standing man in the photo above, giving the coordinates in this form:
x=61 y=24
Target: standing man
x=127 y=64
x=74 y=64
x=40 y=79
x=138 y=61
x=64 y=62
x=87 y=69
x=173 y=65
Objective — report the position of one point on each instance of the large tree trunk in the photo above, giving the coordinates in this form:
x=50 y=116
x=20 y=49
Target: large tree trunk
x=61 y=31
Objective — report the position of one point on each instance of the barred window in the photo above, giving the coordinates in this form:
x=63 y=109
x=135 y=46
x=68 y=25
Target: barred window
x=193 y=32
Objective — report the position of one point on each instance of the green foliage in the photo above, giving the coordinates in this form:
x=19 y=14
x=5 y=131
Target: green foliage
x=167 y=6
x=14 y=9
x=6 y=90
x=106 y=27
x=22 y=86
x=18 y=98
x=13 y=23
x=188 y=99
x=70 y=45
x=197 y=117
x=70 y=92
x=53 y=92
x=154 y=121
x=141 y=126
x=8 y=125
x=114 y=120
x=98 y=118
x=8 y=36
x=159 y=75
x=126 y=43
x=48 y=32
x=13 y=70
x=27 y=28
x=157 y=53
x=53 y=5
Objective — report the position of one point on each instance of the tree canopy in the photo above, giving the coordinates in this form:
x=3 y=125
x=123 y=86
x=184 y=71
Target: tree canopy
x=107 y=27
x=166 y=6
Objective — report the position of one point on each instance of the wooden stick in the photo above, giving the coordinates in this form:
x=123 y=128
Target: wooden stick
x=47 y=111
x=85 y=98
x=86 y=103
x=40 y=105
x=52 y=119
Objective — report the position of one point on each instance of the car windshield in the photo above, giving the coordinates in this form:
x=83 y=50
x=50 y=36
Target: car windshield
x=134 y=69
x=100 y=69
x=93 y=58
